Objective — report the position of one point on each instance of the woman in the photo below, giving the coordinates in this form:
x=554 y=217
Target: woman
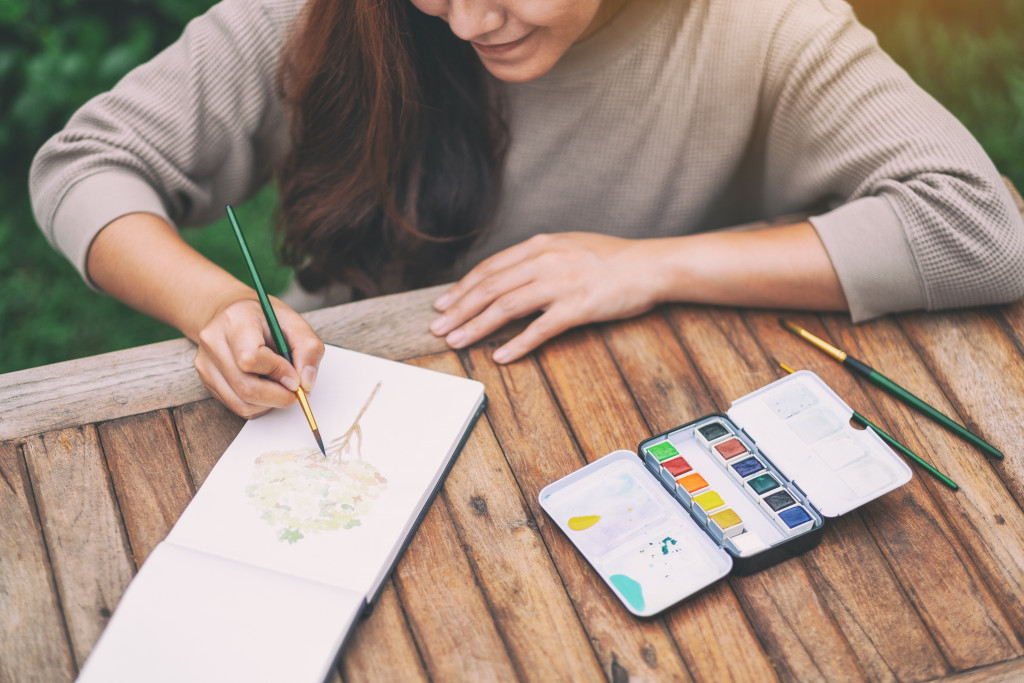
x=576 y=158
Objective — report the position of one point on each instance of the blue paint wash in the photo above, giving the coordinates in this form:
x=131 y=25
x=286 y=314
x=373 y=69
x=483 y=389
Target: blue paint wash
x=630 y=590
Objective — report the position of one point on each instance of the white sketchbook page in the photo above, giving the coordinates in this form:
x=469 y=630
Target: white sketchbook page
x=273 y=500
x=189 y=616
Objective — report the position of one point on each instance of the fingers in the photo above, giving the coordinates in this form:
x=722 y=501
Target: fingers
x=542 y=272
x=307 y=348
x=574 y=278
x=221 y=390
x=502 y=261
x=495 y=301
x=262 y=362
x=245 y=393
x=562 y=311
x=238 y=365
x=548 y=325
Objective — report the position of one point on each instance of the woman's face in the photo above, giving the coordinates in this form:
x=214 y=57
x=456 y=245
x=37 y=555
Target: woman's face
x=519 y=40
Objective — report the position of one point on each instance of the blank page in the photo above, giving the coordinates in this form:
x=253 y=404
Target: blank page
x=189 y=616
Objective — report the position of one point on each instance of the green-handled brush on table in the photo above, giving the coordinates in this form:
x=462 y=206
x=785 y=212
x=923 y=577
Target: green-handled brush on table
x=275 y=327
x=896 y=390
x=893 y=443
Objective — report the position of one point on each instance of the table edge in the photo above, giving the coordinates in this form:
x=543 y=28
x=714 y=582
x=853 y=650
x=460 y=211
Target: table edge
x=160 y=375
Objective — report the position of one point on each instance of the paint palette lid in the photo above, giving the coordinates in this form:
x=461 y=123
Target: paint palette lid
x=638 y=538
x=804 y=428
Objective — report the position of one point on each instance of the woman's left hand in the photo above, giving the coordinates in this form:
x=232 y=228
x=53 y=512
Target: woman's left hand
x=574 y=278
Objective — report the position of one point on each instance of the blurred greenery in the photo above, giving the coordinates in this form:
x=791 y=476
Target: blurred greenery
x=55 y=54
x=970 y=57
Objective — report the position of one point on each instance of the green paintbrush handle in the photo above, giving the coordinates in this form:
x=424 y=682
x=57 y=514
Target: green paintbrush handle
x=268 y=310
x=907 y=397
x=905 y=451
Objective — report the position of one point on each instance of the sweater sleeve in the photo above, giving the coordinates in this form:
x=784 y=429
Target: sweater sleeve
x=920 y=217
x=195 y=128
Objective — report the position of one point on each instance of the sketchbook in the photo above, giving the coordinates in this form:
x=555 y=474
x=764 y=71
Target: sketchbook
x=281 y=550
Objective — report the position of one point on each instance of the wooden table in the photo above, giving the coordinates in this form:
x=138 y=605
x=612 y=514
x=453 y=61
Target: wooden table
x=99 y=456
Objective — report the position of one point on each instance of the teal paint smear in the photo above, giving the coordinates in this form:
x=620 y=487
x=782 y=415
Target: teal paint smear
x=630 y=589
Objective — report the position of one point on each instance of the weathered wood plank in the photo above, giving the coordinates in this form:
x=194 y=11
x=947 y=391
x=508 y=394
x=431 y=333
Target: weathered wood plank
x=707 y=626
x=157 y=376
x=149 y=476
x=982 y=381
x=82 y=526
x=792 y=622
x=661 y=377
x=668 y=392
x=1011 y=671
x=381 y=648
x=436 y=586
x=592 y=394
x=540 y=449
x=206 y=429
x=986 y=521
x=34 y=642
x=871 y=608
x=511 y=563
x=1011 y=319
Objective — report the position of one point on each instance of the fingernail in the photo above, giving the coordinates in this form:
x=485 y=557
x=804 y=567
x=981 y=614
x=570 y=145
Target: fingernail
x=289 y=383
x=443 y=301
x=455 y=338
x=439 y=325
x=308 y=378
x=502 y=355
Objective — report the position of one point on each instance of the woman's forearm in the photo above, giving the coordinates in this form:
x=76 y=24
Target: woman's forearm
x=777 y=267
x=141 y=260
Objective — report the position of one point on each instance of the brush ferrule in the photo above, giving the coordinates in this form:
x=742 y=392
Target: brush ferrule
x=305 y=408
x=838 y=354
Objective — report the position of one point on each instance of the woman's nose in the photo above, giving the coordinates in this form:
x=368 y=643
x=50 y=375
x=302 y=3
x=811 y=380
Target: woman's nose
x=472 y=19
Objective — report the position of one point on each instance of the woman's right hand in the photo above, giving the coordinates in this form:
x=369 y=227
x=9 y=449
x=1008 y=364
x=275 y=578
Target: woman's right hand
x=237 y=363
x=142 y=260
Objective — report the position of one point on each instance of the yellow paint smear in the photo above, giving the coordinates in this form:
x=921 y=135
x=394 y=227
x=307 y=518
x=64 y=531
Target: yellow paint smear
x=583 y=522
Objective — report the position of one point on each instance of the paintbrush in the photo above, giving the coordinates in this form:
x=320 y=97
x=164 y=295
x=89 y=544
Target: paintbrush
x=275 y=327
x=891 y=440
x=877 y=378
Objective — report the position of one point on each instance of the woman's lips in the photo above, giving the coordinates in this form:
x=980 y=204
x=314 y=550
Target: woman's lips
x=500 y=49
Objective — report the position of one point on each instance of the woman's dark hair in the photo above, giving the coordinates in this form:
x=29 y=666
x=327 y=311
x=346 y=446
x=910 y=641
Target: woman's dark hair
x=398 y=142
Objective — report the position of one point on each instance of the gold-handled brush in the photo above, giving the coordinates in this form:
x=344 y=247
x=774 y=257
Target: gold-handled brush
x=877 y=378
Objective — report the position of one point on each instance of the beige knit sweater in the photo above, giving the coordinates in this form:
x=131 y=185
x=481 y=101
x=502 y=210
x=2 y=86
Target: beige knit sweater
x=676 y=117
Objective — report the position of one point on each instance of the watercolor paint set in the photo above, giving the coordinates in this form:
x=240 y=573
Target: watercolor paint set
x=734 y=492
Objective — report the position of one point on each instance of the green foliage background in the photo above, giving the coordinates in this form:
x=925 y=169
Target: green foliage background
x=55 y=54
